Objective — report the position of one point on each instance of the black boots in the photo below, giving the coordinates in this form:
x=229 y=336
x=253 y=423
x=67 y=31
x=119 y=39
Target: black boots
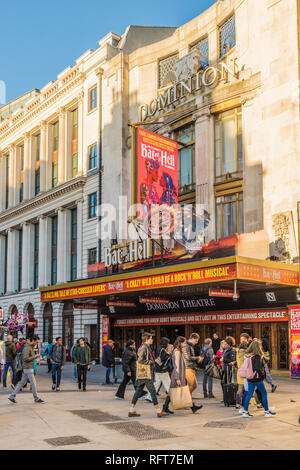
x=166 y=406
x=195 y=408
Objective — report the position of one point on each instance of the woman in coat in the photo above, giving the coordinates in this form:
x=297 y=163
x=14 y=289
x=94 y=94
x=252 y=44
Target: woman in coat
x=129 y=359
x=145 y=356
x=240 y=356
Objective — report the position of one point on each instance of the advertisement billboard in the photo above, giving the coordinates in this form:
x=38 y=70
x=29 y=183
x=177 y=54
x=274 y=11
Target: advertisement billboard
x=295 y=340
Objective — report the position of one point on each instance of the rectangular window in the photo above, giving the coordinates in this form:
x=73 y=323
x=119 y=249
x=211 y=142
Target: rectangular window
x=74 y=165
x=37 y=181
x=186 y=177
x=202 y=47
x=22 y=157
x=75 y=124
x=37 y=147
x=54 y=175
x=229 y=215
x=228 y=145
x=93 y=98
x=74 y=224
x=36 y=255
x=92 y=208
x=73 y=266
x=21 y=191
x=92 y=156
x=55 y=136
x=227 y=36
x=92 y=254
x=73 y=244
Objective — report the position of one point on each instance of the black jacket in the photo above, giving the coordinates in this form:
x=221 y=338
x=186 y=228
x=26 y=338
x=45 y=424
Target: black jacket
x=129 y=359
x=228 y=356
x=258 y=367
x=162 y=353
x=189 y=356
x=108 y=359
x=216 y=343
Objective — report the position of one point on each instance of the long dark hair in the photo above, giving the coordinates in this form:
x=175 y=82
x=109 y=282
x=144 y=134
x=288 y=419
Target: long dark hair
x=179 y=342
x=164 y=342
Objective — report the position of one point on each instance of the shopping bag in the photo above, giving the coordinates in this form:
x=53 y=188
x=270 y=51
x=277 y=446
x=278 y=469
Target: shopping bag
x=214 y=371
x=181 y=397
x=143 y=371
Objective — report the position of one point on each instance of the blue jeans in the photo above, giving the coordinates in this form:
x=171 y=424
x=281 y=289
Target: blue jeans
x=8 y=365
x=262 y=389
x=108 y=370
x=75 y=372
x=56 y=374
x=210 y=385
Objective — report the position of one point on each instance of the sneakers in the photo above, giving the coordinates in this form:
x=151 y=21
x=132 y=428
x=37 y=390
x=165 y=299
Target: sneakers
x=148 y=400
x=39 y=400
x=57 y=389
x=118 y=398
x=53 y=387
x=241 y=411
x=269 y=414
x=12 y=400
x=273 y=388
x=246 y=414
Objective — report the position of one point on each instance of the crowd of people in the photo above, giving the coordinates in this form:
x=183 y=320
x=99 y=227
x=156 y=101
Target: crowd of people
x=241 y=369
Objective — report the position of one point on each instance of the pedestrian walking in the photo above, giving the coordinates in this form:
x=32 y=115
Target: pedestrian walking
x=255 y=353
x=129 y=359
x=57 y=358
x=72 y=358
x=228 y=360
x=47 y=353
x=82 y=359
x=161 y=373
x=145 y=356
x=266 y=352
x=190 y=364
x=28 y=358
x=108 y=359
x=216 y=343
x=18 y=363
x=10 y=354
x=208 y=358
x=240 y=356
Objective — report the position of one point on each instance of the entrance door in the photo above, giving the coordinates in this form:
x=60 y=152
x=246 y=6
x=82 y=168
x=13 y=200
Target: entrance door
x=172 y=332
x=94 y=342
x=282 y=345
x=68 y=325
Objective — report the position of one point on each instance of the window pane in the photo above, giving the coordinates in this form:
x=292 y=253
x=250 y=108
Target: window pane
x=218 y=224
x=228 y=146
x=229 y=219
x=217 y=148
x=240 y=143
x=241 y=217
x=185 y=167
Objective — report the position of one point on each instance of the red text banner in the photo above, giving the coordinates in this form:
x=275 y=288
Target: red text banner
x=105 y=328
x=276 y=276
x=295 y=340
x=189 y=277
x=239 y=316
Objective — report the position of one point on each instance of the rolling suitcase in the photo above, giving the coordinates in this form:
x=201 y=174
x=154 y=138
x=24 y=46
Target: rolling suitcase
x=229 y=392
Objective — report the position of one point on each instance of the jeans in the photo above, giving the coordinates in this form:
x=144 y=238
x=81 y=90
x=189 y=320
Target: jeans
x=56 y=374
x=81 y=374
x=27 y=375
x=108 y=371
x=210 y=385
x=161 y=378
x=8 y=365
x=75 y=372
x=126 y=379
x=262 y=389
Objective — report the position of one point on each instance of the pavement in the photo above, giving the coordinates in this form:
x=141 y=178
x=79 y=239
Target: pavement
x=94 y=420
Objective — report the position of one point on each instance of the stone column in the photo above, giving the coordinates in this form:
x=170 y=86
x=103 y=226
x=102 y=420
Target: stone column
x=27 y=166
x=2 y=263
x=79 y=238
x=48 y=157
x=27 y=257
x=44 y=251
x=61 y=146
x=63 y=245
x=12 y=257
x=82 y=157
x=43 y=156
x=2 y=182
x=57 y=318
x=12 y=161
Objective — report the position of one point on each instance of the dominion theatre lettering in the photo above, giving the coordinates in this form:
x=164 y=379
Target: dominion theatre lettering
x=183 y=304
x=198 y=82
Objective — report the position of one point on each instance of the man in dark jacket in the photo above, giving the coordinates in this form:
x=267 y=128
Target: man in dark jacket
x=108 y=359
x=82 y=359
x=216 y=343
x=10 y=354
x=228 y=361
x=208 y=355
x=190 y=365
x=57 y=358
x=129 y=359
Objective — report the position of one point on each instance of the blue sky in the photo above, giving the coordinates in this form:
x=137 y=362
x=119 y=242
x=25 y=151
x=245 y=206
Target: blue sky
x=39 y=39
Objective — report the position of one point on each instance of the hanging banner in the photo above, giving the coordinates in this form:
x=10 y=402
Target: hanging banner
x=154 y=300
x=217 y=292
x=105 y=327
x=120 y=303
x=156 y=171
x=295 y=340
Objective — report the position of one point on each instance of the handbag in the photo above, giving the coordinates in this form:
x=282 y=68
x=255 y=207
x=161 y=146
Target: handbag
x=181 y=397
x=214 y=371
x=158 y=360
x=143 y=371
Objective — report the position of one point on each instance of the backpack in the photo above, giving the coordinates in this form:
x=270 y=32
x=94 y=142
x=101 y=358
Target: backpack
x=246 y=369
x=168 y=365
x=18 y=361
x=205 y=360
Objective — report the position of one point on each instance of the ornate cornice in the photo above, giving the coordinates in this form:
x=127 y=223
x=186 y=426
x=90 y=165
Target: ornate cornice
x=41 y=199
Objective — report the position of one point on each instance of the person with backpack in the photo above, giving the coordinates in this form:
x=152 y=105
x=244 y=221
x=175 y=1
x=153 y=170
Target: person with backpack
x=162 y=371
x=207 y=354
x=72 y=358
x=253 y=370
x=240 y=356
x=82 y=359
x=129 y=359
x=108 y=359
x=57 y=358
x=18 y=363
